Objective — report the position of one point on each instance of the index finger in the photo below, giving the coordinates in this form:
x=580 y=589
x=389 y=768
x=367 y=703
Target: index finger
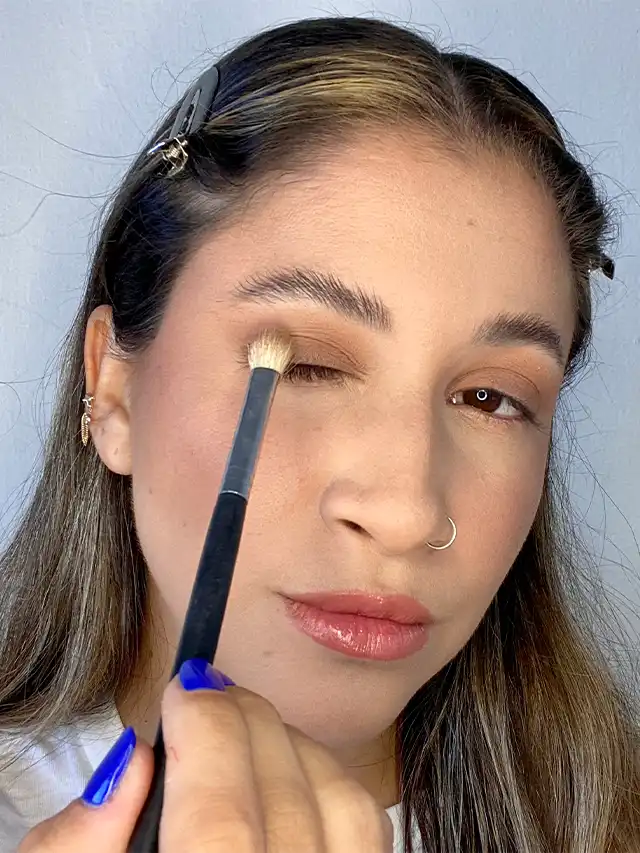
x=210 y=798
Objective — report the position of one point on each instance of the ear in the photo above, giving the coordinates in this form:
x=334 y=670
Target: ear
x=109 y=382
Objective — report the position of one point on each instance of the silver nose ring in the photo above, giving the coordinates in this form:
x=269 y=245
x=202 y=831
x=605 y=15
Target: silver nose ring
x=454 y=533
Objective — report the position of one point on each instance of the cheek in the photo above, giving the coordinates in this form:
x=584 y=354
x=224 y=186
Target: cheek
x=497 y=509
x=181 y=431
x=495 y=512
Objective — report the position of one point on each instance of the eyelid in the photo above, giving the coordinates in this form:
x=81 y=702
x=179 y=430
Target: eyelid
x=509 y=382
x=319 y=348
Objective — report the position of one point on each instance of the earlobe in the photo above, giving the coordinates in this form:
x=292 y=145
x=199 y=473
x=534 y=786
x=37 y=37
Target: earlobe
x=108 y=379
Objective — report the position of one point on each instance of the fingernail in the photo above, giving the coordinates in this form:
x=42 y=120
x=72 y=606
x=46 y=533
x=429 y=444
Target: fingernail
x=110 y=770
x=198 y=674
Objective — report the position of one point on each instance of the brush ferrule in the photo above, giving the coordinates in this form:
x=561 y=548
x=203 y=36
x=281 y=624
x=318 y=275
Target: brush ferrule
x=247 y=441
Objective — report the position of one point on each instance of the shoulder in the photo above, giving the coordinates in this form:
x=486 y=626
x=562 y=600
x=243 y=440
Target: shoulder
x=13 y=826
x=34 y=784
x=41 y=776
x=396 y=814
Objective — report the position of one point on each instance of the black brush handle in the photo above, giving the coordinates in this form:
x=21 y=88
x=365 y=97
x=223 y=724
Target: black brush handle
x=199 y=639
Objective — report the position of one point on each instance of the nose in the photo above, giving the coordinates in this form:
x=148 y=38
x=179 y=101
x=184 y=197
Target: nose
x=388 y=490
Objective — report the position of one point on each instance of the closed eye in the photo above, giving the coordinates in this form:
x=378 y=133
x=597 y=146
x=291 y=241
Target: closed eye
x=312 y=373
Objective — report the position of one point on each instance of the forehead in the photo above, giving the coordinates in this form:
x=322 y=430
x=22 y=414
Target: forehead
x=416 y=226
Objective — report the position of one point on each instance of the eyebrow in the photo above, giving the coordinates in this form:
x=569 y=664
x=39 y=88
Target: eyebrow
x=328 y=290
x=522 y=329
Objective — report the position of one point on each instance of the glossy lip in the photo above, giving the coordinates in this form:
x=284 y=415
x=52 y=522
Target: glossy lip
x=394 y=608
x=356 y=635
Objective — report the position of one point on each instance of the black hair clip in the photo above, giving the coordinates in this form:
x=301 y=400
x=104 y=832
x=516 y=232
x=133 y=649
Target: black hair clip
x=605 y=264
x=194 y=111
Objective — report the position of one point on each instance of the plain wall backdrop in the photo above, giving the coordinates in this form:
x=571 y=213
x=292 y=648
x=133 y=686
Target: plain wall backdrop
x=83 y=82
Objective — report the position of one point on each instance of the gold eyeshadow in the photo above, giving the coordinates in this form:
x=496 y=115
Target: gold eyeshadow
x=326 y=345
x=317 y=350
x=312 y=345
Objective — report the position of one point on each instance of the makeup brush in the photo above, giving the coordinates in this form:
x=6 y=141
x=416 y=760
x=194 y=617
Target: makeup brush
x=268 y=357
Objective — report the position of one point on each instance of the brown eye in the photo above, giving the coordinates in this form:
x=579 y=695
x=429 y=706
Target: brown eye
x=492 y=403
x=483 y=398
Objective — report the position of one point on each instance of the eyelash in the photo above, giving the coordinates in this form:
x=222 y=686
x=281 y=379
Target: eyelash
x=315 y=373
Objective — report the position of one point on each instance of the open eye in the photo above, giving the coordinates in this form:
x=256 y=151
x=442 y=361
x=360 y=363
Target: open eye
x=492 y=403
x=313 y=373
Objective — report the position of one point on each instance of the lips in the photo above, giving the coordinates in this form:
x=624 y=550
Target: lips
x=395 y=608
x=357 y=625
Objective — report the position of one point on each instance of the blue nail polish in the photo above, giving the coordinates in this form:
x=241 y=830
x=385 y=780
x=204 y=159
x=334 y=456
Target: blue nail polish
x=198 y=674
x=110 y=770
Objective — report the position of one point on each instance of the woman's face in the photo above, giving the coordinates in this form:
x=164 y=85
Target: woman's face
x=392 y=431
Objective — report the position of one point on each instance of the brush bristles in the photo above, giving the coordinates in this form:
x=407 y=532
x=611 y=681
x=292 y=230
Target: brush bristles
x=270 y=350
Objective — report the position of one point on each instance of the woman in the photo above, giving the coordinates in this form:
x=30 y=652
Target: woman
x=415 y=222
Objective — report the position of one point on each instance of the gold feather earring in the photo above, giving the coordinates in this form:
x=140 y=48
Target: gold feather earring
x=86 y=419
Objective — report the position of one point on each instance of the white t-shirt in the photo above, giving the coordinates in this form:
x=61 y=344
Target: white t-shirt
x=55 y=770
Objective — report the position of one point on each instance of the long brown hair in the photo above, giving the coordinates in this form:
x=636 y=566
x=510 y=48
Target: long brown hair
x=526 y=741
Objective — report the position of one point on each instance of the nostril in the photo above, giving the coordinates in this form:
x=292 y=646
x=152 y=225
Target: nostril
x=353 y=526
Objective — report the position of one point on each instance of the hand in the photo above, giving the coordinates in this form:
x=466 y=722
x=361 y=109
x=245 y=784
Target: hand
x=237 y=779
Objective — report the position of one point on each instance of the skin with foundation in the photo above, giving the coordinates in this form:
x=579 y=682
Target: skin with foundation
x=430 y=307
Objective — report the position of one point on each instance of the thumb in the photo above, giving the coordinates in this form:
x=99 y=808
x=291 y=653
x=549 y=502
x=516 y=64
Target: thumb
x=122 y=781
